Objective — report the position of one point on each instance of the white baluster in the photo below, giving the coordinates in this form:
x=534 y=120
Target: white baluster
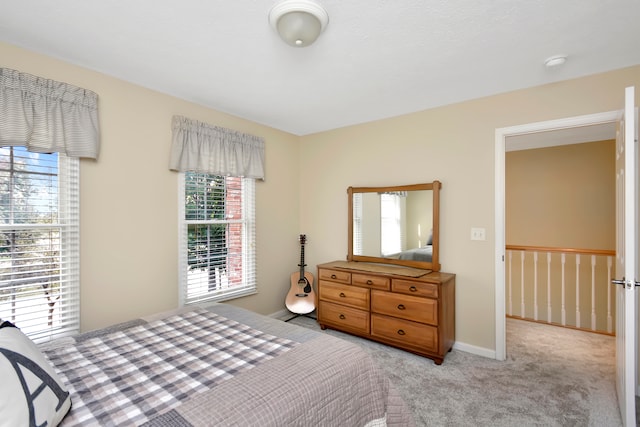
x=527 y=299
x=577 y=290
x=522 y=284
x=593 y=292
x=535 y=286
x=563 y=310
x=549 y=287
x=609 y=316
x=510 y=284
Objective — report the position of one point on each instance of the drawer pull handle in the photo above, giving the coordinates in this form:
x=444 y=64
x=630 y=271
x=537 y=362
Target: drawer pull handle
x=413 y=289
x=342 y=295
x=342 y=317
x=369 y=282
x=401 y=332
x=401 y=307
x=333 y=276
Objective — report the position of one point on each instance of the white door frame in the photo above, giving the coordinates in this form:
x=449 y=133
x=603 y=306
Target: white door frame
x=500 y=243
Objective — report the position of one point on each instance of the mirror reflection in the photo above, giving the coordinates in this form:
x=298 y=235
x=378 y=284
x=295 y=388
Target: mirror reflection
x=395 y=225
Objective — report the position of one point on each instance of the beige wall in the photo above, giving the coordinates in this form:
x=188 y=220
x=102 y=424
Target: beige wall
x=562 y=196
x=453 y=144
x=129 y=199
x=129 y=248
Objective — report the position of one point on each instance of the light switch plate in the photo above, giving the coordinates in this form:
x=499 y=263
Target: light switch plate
x=478 y=233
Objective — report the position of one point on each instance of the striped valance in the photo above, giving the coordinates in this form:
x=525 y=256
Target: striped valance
x=200 y=147
x=47 y=116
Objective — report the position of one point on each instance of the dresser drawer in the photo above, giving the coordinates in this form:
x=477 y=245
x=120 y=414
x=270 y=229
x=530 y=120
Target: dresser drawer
x=334 y=276
x=373 y=282
x=344 y=294
x=418 y=289
x=345 y=318
x=418 y=309
x=404 y=332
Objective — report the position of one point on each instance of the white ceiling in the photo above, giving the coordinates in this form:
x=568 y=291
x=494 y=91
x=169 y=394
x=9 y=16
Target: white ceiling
x=376 y=59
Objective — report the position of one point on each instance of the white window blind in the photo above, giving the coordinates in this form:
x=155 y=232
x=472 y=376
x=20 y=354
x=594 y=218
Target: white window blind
x=357 y=224
x=39 y=242
x=216 y=237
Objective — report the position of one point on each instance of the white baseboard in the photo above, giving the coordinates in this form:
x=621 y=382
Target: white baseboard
x=479 y=351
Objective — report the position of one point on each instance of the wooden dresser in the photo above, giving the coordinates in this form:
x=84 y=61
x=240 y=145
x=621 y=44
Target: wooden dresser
x=394 y=305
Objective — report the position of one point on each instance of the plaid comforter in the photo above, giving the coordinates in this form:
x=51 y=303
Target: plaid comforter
x=221 y=365
x=130 y=376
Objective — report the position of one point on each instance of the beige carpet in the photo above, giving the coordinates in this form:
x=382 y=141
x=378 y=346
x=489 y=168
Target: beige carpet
x=552 y=377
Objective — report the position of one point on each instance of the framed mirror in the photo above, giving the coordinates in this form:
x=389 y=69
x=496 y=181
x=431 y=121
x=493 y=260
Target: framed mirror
x=395 y=225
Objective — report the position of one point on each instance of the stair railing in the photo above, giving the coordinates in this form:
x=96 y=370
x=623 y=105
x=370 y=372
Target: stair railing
x=552 y=285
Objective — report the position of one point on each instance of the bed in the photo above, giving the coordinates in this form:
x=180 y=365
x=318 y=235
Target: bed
x=417 y=254
x=208 y=365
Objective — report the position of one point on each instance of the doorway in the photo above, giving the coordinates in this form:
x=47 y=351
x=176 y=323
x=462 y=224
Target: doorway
x=527 y=134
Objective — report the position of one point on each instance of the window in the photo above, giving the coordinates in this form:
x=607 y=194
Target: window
x=392 y=211
x=217 y=237
x=39 y=242
x=357 y=223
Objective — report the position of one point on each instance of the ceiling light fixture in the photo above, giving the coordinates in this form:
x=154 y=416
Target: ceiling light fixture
x=299 y=23
x=555 y=60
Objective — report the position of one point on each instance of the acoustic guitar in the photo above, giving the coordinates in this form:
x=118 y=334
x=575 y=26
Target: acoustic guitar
x=301 y=299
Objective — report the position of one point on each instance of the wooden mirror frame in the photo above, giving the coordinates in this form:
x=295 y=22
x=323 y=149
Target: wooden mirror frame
x=434 y=265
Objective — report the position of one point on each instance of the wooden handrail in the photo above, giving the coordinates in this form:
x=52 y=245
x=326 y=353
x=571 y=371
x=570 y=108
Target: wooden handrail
x=604 y=252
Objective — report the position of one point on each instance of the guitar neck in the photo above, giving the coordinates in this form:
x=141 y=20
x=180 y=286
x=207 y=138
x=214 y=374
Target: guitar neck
x=303 y=239
x=302 y=264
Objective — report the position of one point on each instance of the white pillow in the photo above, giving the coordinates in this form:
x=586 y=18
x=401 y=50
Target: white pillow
x=46 y=399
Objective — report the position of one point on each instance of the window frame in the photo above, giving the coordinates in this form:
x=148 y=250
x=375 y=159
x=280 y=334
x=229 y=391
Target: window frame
x=249 y=280
x=68 y=228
